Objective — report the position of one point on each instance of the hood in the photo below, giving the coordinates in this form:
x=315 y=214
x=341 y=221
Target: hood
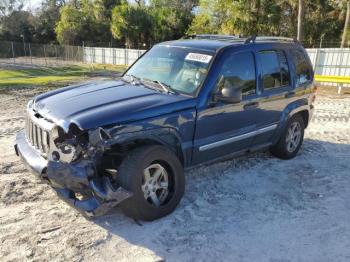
x=102 y=103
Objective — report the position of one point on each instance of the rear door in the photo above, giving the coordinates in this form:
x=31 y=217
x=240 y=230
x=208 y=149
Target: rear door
x=276 y=87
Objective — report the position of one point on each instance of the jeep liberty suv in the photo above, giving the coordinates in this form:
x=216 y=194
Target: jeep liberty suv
x=126 y=142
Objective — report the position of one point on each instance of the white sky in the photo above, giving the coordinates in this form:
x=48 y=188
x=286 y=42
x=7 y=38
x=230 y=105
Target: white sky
x=32 y=4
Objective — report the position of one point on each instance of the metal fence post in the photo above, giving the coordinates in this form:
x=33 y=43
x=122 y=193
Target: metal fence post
x=30 y=53
x=45 y=55
x=83 y=53
x=316 y=59
x=13 y=53
x=25 y=52
x=339 y=65
x=56 y=55
x=91 y=60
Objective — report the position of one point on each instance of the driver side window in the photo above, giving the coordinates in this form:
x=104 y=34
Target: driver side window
x=239 y=70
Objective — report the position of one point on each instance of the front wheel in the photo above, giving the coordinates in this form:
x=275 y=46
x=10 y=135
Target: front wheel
x=291 y=139
x=155 y=177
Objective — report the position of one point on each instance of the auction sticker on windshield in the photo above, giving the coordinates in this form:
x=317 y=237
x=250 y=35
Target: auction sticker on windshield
x=198 y=57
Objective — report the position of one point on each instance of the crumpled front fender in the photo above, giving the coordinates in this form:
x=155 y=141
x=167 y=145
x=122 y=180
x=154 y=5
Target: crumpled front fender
x=80 y=177
x=69 y=179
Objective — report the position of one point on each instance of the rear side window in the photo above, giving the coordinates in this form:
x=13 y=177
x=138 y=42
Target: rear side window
x=275 y=71
x=301 y=66
x=240 y=70
x=284 y=68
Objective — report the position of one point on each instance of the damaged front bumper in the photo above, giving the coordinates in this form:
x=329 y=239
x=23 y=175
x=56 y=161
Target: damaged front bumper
x=68 y=180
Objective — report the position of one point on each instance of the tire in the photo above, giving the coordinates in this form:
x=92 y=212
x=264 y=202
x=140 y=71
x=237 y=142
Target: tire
x=283 y=148
x=132 y=176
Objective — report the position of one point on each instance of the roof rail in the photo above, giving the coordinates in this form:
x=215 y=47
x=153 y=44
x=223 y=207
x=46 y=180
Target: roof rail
x=275 y=38
x=215 y=37
x=248 y=40
x=254 y=38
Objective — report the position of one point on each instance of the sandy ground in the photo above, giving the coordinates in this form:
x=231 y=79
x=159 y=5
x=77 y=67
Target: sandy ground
x=252 y=208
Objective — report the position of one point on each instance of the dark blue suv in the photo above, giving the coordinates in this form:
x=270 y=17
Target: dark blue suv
x=183 y=103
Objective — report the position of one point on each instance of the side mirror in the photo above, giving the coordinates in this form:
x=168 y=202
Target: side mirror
x=229 y=93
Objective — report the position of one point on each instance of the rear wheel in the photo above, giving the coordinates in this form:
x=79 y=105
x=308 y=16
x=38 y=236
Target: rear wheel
x=291 y=139
x=155 y=177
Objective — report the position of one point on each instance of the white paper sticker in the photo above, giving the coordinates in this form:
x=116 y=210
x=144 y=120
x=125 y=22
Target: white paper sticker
x=198 y=57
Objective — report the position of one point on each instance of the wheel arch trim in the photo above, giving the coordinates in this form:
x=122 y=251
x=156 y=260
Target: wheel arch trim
x=290 y=111
x=167 y=137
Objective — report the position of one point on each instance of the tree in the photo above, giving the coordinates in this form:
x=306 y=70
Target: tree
x=9 y=6
x=238 y=17
x=131 y=23
x=346 y=25
x=16 y=26
x=70 y=27
x=45 y=21
x=184 y=5
x=85 y=20
x=266 y=17
x=169 y=23
x=204 y=21
x=301 y=10
x=141 y=24
x=103 y=9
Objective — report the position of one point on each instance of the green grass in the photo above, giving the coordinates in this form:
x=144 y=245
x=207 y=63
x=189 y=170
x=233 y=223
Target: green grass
x=52 y=77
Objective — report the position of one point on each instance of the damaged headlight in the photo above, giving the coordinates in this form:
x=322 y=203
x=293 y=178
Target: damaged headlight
x=66 y=147
x=64 y=153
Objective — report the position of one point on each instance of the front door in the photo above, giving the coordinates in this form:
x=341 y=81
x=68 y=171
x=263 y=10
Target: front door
x=222 y=127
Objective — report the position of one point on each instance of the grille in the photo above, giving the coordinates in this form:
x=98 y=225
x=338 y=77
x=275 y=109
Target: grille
x=38 y=133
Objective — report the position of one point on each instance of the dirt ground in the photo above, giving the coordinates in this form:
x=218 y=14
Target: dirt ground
x=252 y=208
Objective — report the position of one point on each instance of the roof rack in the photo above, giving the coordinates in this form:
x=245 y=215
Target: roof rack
x=254 y=38
x=215 y=37
x=248 y=40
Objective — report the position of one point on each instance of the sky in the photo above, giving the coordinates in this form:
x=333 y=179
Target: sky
x=32 y=4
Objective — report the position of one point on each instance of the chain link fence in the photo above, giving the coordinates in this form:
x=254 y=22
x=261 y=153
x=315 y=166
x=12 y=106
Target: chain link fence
x=39 y=54
x=327 y=60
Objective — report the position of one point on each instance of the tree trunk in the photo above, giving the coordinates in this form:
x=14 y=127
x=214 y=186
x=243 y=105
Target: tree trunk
x=346 y=26
x=301 y=11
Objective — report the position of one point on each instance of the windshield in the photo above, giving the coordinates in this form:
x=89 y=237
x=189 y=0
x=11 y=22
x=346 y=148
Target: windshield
x=179 y=69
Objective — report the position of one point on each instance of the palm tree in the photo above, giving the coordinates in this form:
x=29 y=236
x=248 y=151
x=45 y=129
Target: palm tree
x=346 y=26
x=301 y=11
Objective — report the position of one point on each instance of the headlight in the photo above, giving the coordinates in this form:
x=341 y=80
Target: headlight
x=62 y=148
x=64 y=153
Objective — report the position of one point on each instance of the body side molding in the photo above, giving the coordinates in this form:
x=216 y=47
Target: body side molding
x=237 y=138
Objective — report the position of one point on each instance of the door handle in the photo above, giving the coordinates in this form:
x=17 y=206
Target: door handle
x=290 y=94
x=251 y=105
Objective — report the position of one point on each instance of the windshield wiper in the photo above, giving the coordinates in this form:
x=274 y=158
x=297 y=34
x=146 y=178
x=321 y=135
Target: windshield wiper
x=164 y=86
x=167 y=88
x=134 y=79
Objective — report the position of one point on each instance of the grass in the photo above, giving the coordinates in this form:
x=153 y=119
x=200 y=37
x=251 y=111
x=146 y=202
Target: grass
x=53 y=77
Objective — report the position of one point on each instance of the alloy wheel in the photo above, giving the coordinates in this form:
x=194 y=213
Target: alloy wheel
x=155 y=184
x=293 y=136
